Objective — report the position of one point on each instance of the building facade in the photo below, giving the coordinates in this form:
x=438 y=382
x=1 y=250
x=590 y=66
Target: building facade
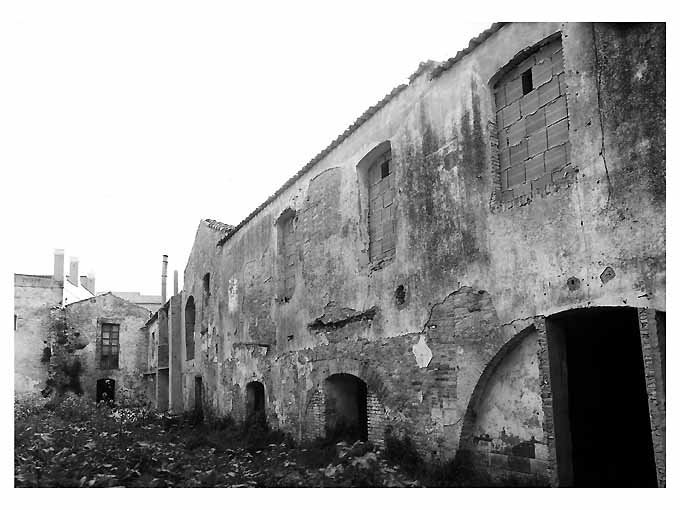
x=477 y=263
x=100 y=349
x=35 y=296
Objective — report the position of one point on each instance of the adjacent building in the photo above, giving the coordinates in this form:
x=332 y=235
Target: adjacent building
x=34 y=297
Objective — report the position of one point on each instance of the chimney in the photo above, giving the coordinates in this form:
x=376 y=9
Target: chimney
x=59 y=265
x=164 y=277
x=88 y=282
x=175 y=286
x=73 y=272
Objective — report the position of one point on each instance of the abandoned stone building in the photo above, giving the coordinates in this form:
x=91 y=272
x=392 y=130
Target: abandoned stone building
x=477 y=264
x=99 y=346
x=67 y=337
x=34 y=297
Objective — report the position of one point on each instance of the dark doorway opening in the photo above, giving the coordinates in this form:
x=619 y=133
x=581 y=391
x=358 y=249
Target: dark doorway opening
x=601 y=415
x=198 y=398
x=106 y=390
x=346 y=414
x=255 y=402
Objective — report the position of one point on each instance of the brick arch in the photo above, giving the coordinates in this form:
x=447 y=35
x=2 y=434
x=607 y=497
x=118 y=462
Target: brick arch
x=358 y=368
x=314 y=414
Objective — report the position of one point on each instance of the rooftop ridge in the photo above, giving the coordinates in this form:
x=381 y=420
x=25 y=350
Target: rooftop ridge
x=422 y=68
x=218 y=225
x=474 y=42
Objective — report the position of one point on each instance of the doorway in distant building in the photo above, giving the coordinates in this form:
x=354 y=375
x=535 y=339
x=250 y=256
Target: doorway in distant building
x=106 y=390
x=346 y=414
x=601 y=416
x=255 y=402
x=198 y=398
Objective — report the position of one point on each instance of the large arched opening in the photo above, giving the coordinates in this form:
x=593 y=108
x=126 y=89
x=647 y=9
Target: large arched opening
x=346 y=410
x=503 y=427
x=600 y=403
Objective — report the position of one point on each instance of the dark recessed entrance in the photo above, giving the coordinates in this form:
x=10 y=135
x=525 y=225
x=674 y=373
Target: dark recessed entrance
x=255 y=402
x=346 y=416
x=602 y=429
x=198 y=398
x=106 y=390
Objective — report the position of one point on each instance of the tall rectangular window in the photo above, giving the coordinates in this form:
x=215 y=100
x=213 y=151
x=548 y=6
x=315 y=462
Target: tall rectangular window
x=109 y=346
x=288 y=255
x=381 y=218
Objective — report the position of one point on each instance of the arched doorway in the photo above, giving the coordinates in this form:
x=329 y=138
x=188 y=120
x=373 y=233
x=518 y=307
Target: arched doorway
x=601 y=414
x=255 y=402
x=106 y=390
x=346 y=413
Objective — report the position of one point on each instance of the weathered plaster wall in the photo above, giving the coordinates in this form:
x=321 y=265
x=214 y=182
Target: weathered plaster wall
x=472 y=271
x=509 y=419
x=84 y=322
x=33 y=298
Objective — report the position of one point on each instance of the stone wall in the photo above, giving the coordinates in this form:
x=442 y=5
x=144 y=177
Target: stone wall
x=84 y=320
x=34 y=296
x=471 y=270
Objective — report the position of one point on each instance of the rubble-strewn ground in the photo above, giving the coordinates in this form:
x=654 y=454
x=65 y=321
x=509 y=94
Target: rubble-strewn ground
x=75 y=443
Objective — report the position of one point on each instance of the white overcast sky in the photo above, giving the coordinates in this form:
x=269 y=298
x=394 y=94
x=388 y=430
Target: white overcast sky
x=125 y=123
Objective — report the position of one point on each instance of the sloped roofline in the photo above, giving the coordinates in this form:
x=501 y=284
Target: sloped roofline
x=107 y=294
x=364 y=117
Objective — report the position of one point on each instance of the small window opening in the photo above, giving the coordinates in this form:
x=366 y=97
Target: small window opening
x=385 y=169
x=527 y=82
x=400 y=295
x=206 y=285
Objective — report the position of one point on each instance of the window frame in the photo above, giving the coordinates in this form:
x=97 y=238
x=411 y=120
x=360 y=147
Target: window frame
x=110 y=360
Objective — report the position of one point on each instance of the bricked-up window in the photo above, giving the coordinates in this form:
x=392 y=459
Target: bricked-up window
x=109 y=346
x=287 y=254
x=533 y=123
x=381 y=218
x=205 y=303
x=206 y=286
x=189 y=326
